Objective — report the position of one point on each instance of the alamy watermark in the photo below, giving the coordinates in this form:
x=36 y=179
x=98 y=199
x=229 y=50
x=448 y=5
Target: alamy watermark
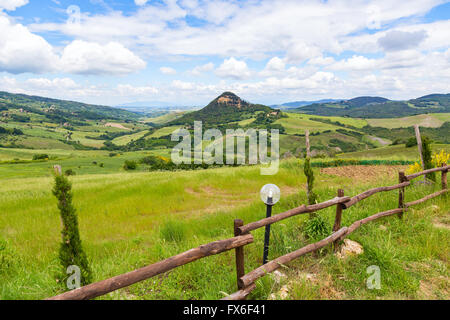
x=374 y=281
x=74 y=280
x=209 y=147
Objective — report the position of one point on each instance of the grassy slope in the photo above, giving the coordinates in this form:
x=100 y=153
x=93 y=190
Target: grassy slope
x=392 y=152
x=123 y=222
x=432 y=120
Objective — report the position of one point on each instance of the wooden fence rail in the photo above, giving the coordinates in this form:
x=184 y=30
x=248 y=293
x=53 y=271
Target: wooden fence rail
x=246 y=282
x=100 y=288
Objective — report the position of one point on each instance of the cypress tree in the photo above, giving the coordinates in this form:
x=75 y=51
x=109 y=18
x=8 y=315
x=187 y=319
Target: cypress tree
x=427 y=157
x=70 y=251
x=312 y=197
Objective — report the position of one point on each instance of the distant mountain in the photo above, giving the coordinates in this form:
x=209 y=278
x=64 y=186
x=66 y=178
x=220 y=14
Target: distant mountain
x=378 y=107
x=296 y=104
x=148 y=104
x=226 y=108
x=63 y=109
x=363 y=101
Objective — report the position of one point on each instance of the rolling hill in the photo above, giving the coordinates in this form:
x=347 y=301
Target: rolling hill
x=377 y=107
x=63 y=109
x=226 y=108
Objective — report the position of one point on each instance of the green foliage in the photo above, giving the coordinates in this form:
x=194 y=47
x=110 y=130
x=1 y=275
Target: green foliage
x=61 y=110
x=374 y=107
x=130 y=165
x=42 y=156
x=172 y=230
x=309 y=173
x=428 y=157
x=13 y=131
x=317 y=228
x=357 y=162
x=219 y=112
x=70 y=251
x=412 y=142
x=69 y=172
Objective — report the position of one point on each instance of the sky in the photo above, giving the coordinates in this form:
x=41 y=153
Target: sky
x=187 y=52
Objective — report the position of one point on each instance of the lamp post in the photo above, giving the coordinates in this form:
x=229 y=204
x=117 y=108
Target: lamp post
x=270 y=195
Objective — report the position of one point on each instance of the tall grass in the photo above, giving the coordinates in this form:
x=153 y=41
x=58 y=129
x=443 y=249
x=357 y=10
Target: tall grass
x=130 y=220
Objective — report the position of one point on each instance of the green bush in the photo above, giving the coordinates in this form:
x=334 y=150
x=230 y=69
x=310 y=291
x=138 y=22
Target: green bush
x=42 y=156
x=309 y=173
x=317 y=228
x=427 y=157
x=130 y=165
x=173 y=231
x=69 y=172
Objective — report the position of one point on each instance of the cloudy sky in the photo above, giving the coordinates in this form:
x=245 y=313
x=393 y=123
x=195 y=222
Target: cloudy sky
x=187 y=52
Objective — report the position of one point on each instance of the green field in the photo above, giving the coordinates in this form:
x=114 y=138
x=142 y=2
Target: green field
x=431 y=120
x=298 y=123
x=129 y=220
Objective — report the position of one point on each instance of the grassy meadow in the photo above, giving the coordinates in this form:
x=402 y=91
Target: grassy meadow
x=129 y=220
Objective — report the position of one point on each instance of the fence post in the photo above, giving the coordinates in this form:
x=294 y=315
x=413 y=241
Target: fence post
x=338 y=219
x=401 y=194
x=239 y=252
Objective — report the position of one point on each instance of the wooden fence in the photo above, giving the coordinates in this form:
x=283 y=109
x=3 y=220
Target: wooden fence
x=246 y=282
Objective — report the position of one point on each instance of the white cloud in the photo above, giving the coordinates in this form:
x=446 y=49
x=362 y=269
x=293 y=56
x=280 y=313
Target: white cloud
x=47 y=84
x=168 y=70
x=400 y=40
x=355 y=63
x=140 y=2
x=232 y=68
x=130 y=91
x=321 y=61
x=23 y=51
x=12 y=5
x=198 y=70
x=81 y=57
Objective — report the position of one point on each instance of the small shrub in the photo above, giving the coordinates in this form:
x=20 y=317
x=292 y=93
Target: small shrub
x=40 y=157
x=130 y=165
x=411 y=142
x=102 y=165
x=112 y=154
x=94 y=163
x=414 y=168
x=317 y=228
x=69 y=172
x=427 y=157
x=440 y=158
x=173 y=231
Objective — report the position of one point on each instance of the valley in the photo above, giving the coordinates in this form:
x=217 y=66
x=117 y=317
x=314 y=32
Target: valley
x=133 y=217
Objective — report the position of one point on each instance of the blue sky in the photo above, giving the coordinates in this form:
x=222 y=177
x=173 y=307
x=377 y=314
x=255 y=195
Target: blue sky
x=187 y=52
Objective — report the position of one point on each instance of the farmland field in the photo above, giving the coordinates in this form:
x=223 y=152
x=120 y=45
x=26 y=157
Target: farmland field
x=129 y=220
x=424 y=120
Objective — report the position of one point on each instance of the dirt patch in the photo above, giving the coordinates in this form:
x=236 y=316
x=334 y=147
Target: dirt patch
x=364 y=173
x=116 y=125
x=381 y=141
x=221 y=200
